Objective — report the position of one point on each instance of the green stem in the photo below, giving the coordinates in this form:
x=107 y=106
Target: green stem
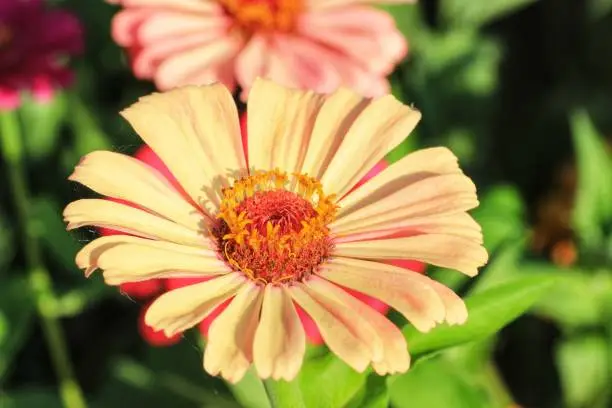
x=38 y=275
x=283 y=394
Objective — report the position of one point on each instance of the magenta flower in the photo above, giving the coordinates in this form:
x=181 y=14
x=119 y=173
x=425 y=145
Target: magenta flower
x=34 y=44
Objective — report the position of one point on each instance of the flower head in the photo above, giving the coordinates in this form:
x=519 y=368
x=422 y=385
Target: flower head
x=282 y=231
x=34 y=44
x=313 y=44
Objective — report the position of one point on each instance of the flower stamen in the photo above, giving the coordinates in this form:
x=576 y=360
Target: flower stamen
x=273 y=227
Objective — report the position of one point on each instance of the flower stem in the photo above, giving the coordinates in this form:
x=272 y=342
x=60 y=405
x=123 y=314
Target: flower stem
x=38 y=276
x=283 y=394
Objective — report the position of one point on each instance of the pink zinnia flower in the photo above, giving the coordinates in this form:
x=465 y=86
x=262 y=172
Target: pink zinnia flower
x=310 y=44
x=280 y=227
x=34 y=44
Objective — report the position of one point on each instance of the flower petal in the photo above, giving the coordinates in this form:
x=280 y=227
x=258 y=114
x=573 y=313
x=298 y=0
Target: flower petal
x=280 y=342
x=229 y=351
x=179 y=309
x=195 y=131
x=381 y=126
x=280 y=121
x=461 y=224
x=406 y=291
x=411 y=168
x=386 y=341
x=338 y=337
x=179 y=69
x=134 y=263
x=446 y=251
x=136 y=182
x=431 y=196
x=87 y=258
x=331 y=4
x=130 y=220
x=336 y=116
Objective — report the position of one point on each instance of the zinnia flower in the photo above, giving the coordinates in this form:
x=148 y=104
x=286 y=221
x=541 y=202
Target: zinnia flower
x=314 y=44
x=148 y=290
x=278 y=228
x=34 y=44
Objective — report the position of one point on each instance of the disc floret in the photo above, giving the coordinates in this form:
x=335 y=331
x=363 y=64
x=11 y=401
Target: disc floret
x=273 y=226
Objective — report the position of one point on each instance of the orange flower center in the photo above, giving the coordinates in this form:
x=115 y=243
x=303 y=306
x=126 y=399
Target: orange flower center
x=273 y=227
x=257 y=15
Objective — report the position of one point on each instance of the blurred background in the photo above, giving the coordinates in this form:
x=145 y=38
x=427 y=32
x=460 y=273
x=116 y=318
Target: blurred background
x=520 y=90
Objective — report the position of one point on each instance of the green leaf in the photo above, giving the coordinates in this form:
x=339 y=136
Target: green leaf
x=326 y=381
x=577 y=299
x=30 y=398
x=583 y=367
x=501 y=214
x=284 y=394
x=503 y=266
x=435 y=383
x=477 y=13
x=16 y=319
x=408 y=19
x=489 y=311
x=52 y=230
x=250 y=391
x=374 y=394
x=594 y=196
x=41 y=123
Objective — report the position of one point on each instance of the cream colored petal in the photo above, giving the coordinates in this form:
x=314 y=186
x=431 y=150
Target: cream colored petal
x=88 y=256
x=456 y=311
x=120 y=176
x=460 y=224
x=338 y=337
x=400 y=288
x=135 y=263
x=280 y=121
x=446 y=251
x=229 y=351
x=179 y=309
x=109 y=214
x=195 y=131
x=386 y=341
x=411 y=168
x=437 y=195
x=381 y=126
x=337 y=114
x=280 y=341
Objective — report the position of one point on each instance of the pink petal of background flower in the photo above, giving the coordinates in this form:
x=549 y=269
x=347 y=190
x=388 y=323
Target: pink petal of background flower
x=318 y=45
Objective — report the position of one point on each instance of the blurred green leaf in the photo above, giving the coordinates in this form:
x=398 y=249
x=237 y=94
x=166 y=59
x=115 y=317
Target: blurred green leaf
x=583 y=367
x=30 y=398
x=41 y=123
x=16 y=318
x=88 y=133
x=501 y=214
x=52 y=230
x=7 y=243
x=577 y=298
x=435 y=383
x=284 y=393
x=373 y=395
x=477 y=13
x=594 y=196
x=250 y=391
x=489 y=311
x=600 y=8
x=502 y=267
x=326 y=381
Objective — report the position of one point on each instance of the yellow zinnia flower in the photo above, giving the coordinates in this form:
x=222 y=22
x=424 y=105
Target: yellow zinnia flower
x=285 y=230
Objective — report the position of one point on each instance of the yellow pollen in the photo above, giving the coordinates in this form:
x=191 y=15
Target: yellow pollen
x=267 y=15
x=273 y=226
